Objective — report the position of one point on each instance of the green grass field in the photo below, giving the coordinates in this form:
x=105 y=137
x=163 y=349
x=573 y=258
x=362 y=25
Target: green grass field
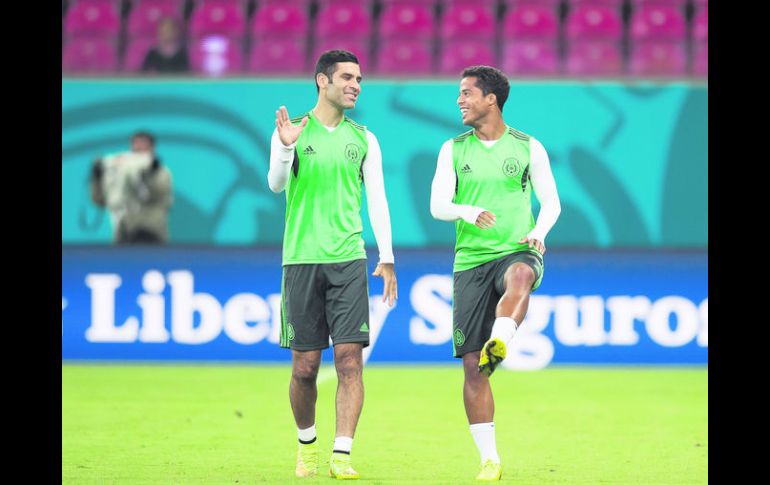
x=165 y=424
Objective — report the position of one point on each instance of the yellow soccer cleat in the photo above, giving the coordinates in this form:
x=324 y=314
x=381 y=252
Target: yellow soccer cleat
x=492 y=354
x=307 y=460
x=490 y=471
x=340 y=468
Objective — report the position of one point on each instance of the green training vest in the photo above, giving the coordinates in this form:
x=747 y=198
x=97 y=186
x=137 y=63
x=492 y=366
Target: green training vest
x=496 y=179
x=323 y=194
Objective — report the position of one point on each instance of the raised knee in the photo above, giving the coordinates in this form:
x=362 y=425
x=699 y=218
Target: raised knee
x=520 y=278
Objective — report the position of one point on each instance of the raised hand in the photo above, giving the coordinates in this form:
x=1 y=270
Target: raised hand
x=288 y=132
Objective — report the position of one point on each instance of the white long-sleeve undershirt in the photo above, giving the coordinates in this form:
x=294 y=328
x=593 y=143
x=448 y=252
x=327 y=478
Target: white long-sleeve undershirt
x=282 y=156
x=443 y=190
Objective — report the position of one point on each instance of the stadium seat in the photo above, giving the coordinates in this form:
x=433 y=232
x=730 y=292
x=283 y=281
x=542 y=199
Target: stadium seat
x=215 y=55
x=85 y=55
x=279 y=19
x=359 y=47
x=405 y=56
x=217 y=19
x=673 y=3
x=136 y=50
x=343 y=20
x=145 y=16
x=531 y=20
x=658 y=58
x=467 y=21
x=406 y=20
x=278 y=56
x=594 y=58
x=589 y=21
x=530 y=57
x=92 y=18
x=700 y=24
x=657 y=22
x=456 y=55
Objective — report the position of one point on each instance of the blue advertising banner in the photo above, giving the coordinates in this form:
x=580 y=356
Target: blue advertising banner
x=223 y=304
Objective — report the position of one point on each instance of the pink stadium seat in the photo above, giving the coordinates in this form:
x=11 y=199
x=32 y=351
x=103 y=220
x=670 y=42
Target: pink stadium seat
x=344 y=19
x=599 y=58
x=278 y=56
x=241 y=4
x=96 y=18
x=466 y=21
x=456 y=55
x=700 y=24
x=674 y=3
x=405 y=56
x=90 y=55
x=359 y=47
x=545 y=3
x=215 y=55
x=700 y=62
x=409 y=19
x=145 y=16
x=218 y=19
x=657 y=22
x=588 y=21
x=609 y=3
x=279 y=19
x=530 y=57
x=135 y=53
x=653 y=58
x=531 y=20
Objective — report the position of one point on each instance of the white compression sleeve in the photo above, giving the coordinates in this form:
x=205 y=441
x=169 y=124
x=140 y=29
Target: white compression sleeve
x=544 y=187
x=379 y=215
x=443 y=188
x=281 y=157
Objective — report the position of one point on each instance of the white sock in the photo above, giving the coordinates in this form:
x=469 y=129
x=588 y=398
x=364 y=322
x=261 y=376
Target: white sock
x=306 y=436
x=484 y=436
x=504 y=328
x=343 y=443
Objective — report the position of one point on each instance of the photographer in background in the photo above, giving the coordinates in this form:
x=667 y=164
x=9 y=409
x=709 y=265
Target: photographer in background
x=136 y=190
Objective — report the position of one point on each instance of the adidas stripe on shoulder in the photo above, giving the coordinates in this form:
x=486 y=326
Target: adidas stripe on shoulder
x=298 y=119
x=518 y=134
x=358 y=126
x=462 y=136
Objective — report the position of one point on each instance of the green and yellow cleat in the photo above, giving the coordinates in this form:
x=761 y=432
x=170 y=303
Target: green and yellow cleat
x=490 y=471
x=492 y=354
x=307 y=460
x=340 y=468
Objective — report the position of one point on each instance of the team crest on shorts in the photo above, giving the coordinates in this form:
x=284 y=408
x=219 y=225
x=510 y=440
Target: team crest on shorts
x=290 y=331
x=511 y=167
x=459 y=338
x=352 y=152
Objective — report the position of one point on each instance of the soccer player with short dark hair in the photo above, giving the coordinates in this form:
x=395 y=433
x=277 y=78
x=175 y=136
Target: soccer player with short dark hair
x=484 y=182
x=322 y=159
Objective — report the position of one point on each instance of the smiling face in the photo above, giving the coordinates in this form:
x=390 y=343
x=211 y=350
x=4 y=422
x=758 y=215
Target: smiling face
x=474 y=106
x=345 y=86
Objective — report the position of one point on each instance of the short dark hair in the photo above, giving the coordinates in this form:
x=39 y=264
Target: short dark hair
x=144 y=134
x=327 y=63
x=490 y=80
